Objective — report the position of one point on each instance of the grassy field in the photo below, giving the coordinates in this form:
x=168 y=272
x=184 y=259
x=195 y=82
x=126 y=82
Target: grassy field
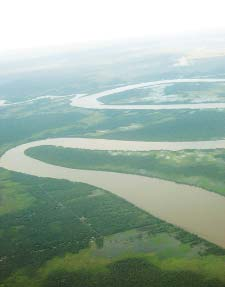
x=200 y=168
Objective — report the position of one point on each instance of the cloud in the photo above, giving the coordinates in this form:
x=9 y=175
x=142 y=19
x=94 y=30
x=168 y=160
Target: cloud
x=45 y=23
x=183 y=62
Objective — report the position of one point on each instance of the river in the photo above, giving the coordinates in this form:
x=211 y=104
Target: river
x=194 y=209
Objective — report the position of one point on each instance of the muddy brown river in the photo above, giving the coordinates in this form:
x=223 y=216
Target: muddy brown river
x=194 y=209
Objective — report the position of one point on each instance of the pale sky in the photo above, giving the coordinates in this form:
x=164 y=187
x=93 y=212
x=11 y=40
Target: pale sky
x=44 y=23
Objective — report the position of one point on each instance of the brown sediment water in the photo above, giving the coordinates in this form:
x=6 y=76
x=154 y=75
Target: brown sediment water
x=194 y=209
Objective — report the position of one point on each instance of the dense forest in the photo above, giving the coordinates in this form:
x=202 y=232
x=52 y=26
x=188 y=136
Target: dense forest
x=42 y=219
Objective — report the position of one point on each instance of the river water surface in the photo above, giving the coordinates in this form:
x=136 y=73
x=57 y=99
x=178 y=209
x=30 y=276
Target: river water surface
x=194 y=209
x=93 y=101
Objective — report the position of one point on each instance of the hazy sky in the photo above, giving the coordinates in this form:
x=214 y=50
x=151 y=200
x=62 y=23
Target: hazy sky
x=41 y=23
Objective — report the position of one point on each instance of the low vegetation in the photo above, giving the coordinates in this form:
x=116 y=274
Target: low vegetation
x=195 y=167
x=62 y=221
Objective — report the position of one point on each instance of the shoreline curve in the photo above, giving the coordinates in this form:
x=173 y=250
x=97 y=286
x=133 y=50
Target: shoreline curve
x=92 y=101
x=192 y=208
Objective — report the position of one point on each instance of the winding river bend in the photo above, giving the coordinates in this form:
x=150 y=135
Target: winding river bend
x=93 y=101
x=194 y=209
